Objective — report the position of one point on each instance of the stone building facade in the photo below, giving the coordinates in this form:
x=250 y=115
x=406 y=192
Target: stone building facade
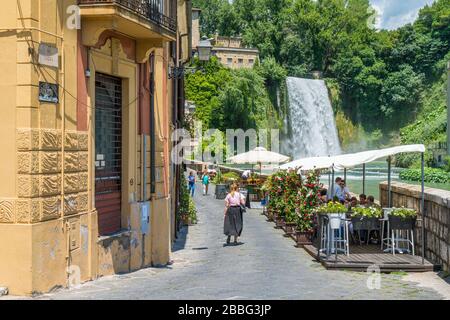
x=229 y=50
x=86 y=105
x=232 y=54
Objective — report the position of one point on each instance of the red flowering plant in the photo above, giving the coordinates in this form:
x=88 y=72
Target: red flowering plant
x=307 y=200
x=282 y=188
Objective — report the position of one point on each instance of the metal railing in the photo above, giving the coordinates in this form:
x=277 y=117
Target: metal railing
x=152 y=10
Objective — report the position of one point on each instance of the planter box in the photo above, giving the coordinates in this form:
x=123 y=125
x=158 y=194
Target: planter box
x=364 y=223
x=303 y=238
x=279 y=222
x=221 y=191
x=398 y=223
x=289 y=228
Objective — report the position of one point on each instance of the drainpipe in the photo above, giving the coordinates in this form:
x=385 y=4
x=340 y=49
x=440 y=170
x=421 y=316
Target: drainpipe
x=152 y=125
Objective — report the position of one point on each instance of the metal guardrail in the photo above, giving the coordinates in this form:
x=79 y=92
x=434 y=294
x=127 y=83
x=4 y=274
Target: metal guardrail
x=151 y=10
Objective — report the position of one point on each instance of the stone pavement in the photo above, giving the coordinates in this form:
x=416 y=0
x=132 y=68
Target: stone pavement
x=266 y=265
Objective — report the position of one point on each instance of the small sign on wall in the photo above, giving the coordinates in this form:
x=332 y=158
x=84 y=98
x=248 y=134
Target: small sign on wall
x=48 y=55
x=48 y=92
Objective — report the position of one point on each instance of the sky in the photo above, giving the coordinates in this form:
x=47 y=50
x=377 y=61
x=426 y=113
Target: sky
x=396 y=13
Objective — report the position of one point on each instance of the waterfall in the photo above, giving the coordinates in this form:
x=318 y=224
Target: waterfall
x=311 y=125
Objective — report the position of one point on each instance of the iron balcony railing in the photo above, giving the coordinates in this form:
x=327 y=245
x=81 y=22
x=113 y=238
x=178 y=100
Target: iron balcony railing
x=152 y=10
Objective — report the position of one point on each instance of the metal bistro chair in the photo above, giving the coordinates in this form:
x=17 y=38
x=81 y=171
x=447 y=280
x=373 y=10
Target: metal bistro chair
x=323 y=234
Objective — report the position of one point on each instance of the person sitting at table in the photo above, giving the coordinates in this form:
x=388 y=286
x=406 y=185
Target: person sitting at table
x=353 y=202
x=371 y=202
x=362 y=199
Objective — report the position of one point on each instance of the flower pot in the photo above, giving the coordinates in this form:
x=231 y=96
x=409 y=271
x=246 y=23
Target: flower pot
x=335 y=220
x=270 y=214
x=303 y=238
x=399 y=223
x=289 y=227
x=279 y=222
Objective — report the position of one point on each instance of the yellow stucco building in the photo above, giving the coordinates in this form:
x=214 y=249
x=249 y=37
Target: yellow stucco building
x=87 y=103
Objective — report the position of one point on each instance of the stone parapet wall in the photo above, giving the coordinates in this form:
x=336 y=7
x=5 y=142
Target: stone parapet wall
x=437 y=218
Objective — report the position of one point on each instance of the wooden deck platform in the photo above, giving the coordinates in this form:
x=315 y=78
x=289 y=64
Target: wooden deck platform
x=361 y=257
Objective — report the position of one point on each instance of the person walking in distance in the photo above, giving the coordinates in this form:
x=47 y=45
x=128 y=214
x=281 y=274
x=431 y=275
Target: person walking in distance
x=233 y=222
x=205 y=182
x=191 y=181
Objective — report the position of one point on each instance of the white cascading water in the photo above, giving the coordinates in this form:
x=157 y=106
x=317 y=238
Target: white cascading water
x=311 y=120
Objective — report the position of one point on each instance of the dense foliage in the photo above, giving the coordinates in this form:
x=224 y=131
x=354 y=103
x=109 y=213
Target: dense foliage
x=187 y=210
x=385 y=79
x=431 y=175
x=294 y=198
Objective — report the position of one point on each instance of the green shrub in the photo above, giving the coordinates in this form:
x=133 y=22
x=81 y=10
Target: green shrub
x=332 y=207
x=404 y=213
x=431 y=175
x=371 y=212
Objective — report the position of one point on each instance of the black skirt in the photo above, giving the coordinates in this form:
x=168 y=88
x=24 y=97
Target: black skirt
x=233 y=222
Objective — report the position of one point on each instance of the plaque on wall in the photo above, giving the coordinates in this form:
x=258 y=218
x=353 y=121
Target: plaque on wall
x=48 y=92
x=48 y=55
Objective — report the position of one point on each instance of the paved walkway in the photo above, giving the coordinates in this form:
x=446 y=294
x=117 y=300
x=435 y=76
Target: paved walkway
x=265 y=266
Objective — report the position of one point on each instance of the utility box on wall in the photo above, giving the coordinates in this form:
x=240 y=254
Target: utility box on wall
x=145 y=218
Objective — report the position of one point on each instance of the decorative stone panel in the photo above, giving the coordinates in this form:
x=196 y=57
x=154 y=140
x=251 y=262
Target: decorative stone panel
x=83 y=164
x=50 y=208
x=83 y=141
x=49 y=162
x=28 y=162
x=27 y=211
x=50 y=185
x=83 y=199
x=7 y=210
x=27 y=139
x=71 y=162
x=83 y=181
x=71 y=141
x=28 y=186
x=50 y=139
x=70 y=204
x=71 y=182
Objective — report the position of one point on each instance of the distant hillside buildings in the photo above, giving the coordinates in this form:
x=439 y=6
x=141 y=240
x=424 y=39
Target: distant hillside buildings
x=229 y=50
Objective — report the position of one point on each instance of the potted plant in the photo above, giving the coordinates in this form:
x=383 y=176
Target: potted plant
x=402 y=219
x=221 y=187
x=335 y=211
x=306 y=202
x=366 y=219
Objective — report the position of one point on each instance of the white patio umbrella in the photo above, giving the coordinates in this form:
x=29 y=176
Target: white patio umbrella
x=259 y=156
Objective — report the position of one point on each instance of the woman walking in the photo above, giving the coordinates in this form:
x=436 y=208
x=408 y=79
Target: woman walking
x=191 y=180
x=233 y=221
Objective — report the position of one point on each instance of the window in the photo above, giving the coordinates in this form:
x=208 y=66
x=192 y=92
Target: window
x=229 y=61
x=240 y=62
x=251 y=61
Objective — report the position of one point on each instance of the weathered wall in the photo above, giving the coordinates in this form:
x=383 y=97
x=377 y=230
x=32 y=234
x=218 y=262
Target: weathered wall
x=437 y=218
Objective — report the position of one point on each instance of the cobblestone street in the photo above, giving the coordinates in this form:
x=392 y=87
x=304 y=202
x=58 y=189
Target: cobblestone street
x=265 y=265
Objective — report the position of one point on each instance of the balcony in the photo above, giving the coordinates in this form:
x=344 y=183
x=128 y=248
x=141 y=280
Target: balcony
x=141 y=19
